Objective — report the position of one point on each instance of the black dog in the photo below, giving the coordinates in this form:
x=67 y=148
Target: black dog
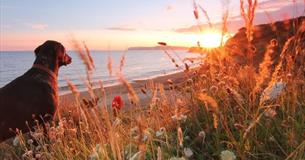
x=32 y=96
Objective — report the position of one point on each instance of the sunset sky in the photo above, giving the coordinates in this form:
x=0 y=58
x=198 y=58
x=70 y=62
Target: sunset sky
x=119 y=24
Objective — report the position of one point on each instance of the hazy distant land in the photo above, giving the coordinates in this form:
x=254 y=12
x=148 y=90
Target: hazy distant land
x=159 y=48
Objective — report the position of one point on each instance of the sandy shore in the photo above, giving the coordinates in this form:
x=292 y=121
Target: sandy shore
x=120 y=90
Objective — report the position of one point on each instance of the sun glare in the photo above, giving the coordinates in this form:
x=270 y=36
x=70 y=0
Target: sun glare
x=212 y=39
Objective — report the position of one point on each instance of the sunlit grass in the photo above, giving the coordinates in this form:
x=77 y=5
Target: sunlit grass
x=221 y=110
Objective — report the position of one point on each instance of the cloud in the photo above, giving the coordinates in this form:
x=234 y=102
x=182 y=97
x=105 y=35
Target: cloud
x=170 y=8
x=120 y=29
x=267 y=11
x=37 y=26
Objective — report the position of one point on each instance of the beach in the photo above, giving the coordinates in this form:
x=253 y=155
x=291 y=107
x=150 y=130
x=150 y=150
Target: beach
x=121 y=90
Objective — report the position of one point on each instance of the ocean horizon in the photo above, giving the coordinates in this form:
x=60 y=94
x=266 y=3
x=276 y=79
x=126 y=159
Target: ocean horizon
x=139 y=64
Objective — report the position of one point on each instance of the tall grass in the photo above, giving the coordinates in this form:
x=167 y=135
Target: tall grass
x=217 y=113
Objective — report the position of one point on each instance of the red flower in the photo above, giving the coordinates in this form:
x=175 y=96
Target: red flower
x=117 y=103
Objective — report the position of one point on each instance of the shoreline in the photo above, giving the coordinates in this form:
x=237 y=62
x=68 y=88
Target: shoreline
x=121 y=90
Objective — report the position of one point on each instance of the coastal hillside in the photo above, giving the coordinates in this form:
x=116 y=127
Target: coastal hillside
x=277 y=32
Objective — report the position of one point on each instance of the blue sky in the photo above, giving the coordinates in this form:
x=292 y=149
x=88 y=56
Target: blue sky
x=103 y=23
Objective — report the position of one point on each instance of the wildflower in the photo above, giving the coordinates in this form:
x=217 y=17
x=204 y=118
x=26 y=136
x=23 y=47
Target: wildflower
x=160 y=132
x=30 y=141
x=203 y=90
x=227 y=155
x=213 y=89
x=38 y=156
x=221 y=83
x=188 y=152
x=16 y=141
x=179 y=101
x=202 y=135
x=203 y=76
x=180 y=117
x=93 y=156
x=98 y=147
x=145 y=138
x=37 y=135
x=117 y=103
x=148 y=132
x=27 y=154
x=134 y=132
x=272 y=139
x=189 y=81
x=117 y=122
x=187 y=138
x=38 y=148
x=272 y=92
x=270 y=113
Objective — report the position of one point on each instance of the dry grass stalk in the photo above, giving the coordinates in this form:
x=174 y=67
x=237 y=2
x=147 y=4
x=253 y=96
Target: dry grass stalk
x=114 y=144
x=180 y=136
x=206 y=15
x=171 y=58
x=103 y=94
x=74 y=89
x=85 y=57
x=159 y=154
x=122 y=61
x=90 y=90
x=196 y=14
x=237 y=97
x=225 y=16
x=209 y=100
x=298 y=153
x=134 y=99
x=109 y=65
x=248 y=17
x=256 y=120
x=264 y=67
x=88 y=53
x=76 y=94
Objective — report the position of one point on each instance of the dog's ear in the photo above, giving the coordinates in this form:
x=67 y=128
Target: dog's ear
x=37 y=51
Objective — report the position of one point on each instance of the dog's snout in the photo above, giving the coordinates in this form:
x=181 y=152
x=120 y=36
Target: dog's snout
x=68 y=60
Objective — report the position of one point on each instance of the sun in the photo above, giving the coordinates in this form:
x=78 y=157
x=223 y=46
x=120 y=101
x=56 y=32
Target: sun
x=212 y=39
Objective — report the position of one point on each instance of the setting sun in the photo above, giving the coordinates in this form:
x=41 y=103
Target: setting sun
x=212 y=39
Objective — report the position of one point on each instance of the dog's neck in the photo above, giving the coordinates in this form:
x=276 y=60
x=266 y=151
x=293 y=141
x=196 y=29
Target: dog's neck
x=51 y=69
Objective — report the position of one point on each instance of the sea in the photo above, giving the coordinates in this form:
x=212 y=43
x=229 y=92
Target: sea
x=138 y=65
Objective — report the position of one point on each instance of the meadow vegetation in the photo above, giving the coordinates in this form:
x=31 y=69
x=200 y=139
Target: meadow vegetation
x=223 y=109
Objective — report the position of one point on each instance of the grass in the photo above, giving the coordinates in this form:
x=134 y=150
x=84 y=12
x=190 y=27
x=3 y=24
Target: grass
x=223 y=110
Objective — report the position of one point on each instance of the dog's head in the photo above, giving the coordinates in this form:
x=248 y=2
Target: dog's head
x=53 y=51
